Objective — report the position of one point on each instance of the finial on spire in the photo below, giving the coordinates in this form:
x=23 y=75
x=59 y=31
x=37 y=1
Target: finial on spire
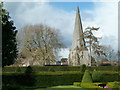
x=77 y=9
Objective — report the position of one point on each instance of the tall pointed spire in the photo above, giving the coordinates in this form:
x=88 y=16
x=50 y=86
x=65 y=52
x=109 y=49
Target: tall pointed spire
x=75 y=54
x=78 y=40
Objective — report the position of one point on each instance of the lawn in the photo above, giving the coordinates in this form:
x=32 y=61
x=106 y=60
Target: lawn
x=68 y=86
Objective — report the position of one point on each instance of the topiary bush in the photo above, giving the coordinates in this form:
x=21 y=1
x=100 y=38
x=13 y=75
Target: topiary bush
x=87 y=77
x=83 y=68
x=29 y=76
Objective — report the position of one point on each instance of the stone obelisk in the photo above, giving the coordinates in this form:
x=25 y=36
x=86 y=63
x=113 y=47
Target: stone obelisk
x=76 y=56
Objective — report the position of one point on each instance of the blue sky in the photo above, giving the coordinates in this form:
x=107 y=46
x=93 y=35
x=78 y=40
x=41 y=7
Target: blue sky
x=70 y=6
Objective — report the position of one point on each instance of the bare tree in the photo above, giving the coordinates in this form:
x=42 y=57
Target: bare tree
x=41 y=41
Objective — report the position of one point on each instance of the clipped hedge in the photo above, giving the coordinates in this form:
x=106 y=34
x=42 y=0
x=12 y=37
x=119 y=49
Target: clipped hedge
x=13 y=69
x=59 y=68
x=59 y=78
x=43 y=79
x=89 y=85
x=105 y=76
x=104 y=68
x=113 y=84
x=86 y=85
x=76 y=83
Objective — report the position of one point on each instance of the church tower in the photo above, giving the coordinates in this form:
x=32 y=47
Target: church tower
x=76 y=55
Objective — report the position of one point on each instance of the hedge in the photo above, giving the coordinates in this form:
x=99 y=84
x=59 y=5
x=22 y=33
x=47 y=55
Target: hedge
x=104 y=68
x=89 y=85
x=59 y=68
x=113 y=84
x=43 y=79
x=105 y=76
x=76 y=83
x=86 y=85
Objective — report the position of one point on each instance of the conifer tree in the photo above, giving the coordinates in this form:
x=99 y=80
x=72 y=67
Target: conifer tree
x=9 y=45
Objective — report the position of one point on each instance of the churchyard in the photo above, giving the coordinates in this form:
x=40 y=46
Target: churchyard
x=46 y=77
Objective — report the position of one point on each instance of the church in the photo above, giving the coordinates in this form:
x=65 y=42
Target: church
x=79 y=54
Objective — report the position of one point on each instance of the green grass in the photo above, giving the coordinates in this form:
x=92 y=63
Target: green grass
x=68 y=86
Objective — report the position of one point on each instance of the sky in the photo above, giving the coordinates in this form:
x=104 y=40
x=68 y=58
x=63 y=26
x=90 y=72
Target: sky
x=61 y=15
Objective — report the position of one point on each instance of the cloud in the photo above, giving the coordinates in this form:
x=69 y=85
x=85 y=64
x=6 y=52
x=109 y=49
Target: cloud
x=64 y=53
x=36 y=13
x=104 y=15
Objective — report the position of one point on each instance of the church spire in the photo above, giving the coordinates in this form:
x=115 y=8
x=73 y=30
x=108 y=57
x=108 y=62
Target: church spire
x=78 y=39
x=75 y=58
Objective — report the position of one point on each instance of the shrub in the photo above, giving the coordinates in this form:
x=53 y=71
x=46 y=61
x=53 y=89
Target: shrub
x=51 y=70
x=113 y=84
x=57 y=78
x=8 y=79
x=104 y=76
x=89 y=85
x=11 y=87
x=29 y=76
x=76 y=83
x=12 y=69
x=28 y=70
x=43 y=79
x=96 y=76
x=19 y=69
x=83 y=68
x=104 y=68
x=87 y=77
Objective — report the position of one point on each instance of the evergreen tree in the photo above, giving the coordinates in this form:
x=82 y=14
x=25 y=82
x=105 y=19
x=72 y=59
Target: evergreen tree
x=9 y=45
